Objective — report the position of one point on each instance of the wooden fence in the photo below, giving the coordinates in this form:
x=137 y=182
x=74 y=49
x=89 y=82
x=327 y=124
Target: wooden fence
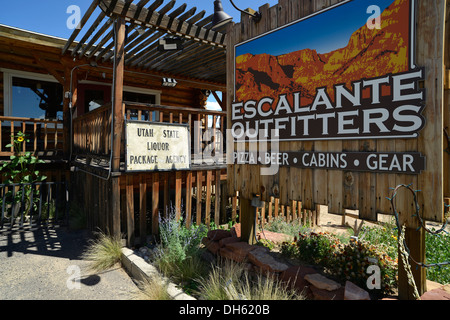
x=197 y=197
x=45 y=137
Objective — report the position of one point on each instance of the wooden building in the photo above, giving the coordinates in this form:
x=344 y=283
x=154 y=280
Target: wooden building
x=113 y=69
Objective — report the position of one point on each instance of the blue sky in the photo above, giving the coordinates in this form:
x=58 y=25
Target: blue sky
x=50 y=16
x=324 y=32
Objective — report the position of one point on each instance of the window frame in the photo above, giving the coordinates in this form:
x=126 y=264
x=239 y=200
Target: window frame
x=8 y=75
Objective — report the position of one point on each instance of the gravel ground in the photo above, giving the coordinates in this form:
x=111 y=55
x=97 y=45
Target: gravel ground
x=46 y=264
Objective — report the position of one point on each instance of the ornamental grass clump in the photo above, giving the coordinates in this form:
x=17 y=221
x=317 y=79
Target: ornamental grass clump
x=103 y=252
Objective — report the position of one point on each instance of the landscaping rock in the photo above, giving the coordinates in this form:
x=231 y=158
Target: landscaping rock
x=212 y=246
x=353 y=292
x=230 y=254
x=323 y=294
x=224 y=241
x=236 y=230
x=274 y=237
x=242 y=248
x=322 y=282
x=437 y=294
x=294 y=276
x=218 y=234
x=262 y=259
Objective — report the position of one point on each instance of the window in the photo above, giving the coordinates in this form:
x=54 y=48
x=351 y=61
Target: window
x=92 y=95
x=30 y=95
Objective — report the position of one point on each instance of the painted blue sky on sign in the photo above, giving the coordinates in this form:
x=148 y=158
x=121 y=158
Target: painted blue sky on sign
x=323 y=32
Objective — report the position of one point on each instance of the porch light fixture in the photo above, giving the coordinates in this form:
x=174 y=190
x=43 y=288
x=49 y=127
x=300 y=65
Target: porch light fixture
x=170 y=43
x=169 y=82
x=220 y=17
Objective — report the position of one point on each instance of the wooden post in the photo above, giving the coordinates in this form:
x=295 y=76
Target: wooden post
x=119 y=51
x=247 y=216
x=415 y=242
x=119 y=63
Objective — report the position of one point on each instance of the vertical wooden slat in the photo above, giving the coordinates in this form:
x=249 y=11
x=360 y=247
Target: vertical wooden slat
x=178 y=184
x=166 y=205
x=199 y=198
x=270 y=210
x=130 y=211
x=208 y=198
x=217 y=198
x=155 y=203
x=188 y=198
x=276 y=208
x=12 y=136
x=299 y=210
x=143 y=208
x=24 y=144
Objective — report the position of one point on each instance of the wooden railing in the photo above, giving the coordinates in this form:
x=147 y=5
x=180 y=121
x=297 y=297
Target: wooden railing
x=43 y=137
x=92 y=131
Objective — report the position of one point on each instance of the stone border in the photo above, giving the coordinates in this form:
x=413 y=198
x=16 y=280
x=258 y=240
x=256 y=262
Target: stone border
x=140 y=270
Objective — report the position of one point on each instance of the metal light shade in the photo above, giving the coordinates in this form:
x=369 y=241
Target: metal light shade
x=220 y=17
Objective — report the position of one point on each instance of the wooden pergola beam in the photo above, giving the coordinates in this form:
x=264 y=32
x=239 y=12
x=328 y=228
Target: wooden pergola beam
x=162 y=21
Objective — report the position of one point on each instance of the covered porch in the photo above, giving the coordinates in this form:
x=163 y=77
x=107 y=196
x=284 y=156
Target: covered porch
x=152 y=63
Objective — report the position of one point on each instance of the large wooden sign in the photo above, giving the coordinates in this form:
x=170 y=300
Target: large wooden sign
x=332 y=75
x=352 y=94
x=152 y=146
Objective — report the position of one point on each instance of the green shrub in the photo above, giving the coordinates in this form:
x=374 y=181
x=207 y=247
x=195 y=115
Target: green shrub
x=178 y=254
x=344 y=261
x=311 y=247
x=281 y=226
x=351 y=261
x=438 y=250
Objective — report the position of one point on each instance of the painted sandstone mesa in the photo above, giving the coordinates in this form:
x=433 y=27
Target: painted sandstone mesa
x=369 y=53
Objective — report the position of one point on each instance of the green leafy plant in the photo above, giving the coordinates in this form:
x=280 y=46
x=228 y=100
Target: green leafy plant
x=344 y=261
x=438 y=251
x=281 y=226
x=21 y=169
x=311 y=247
x=178 y=254
x=351 y=261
